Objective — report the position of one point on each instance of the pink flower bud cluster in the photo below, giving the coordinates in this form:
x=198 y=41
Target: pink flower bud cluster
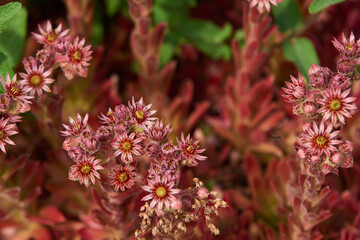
x=128 y=137
x=326 y=102
x=58 y=49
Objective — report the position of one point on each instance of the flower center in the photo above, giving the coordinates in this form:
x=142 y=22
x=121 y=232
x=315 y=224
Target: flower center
x=77 y=56
x=2 y=134
x=51 y=37
x=126 y=145
x=335 y=105
x=139 y=115
x=86 y=169
x=320 y=141
x=105 y=131
x=123 y=177
x=15 y=90
x=111 y=115
x=160 y=192
x=348 y=47
x=35 y=80
x=190 y=149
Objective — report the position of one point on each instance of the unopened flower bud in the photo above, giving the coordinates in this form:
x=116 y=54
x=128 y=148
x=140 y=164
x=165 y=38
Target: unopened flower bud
x=301 y=153
x=104 y=134
x=188 y=201
x=295 y=91
x=75 y=153
x=153 y=149
x=70 y=142
x=347 y=147
x=309 y=107
x=177 y=204
x=328 y=167
x=45 y=58
x=121 y=112
x=89 y=141
x=336 y=158
x=339 y=80
x=314 y=158
x=297 y=109
x=85 y=134
x=319 y=76
x=120 y=129
x=92 y=144
x=345 y=65
x=202 y=193
x=348 y=162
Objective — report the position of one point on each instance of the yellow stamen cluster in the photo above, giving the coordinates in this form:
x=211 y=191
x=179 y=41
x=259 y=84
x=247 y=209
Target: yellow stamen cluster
x=77 y=56
x=139 y=114
x=35 y=80
x=123 y=177
x=86 y=169
x=51 y=37
x=321 y=141
x=15 y=90
x=335 y=105
x=126 y=145
x=160 y=191
x=190 y=149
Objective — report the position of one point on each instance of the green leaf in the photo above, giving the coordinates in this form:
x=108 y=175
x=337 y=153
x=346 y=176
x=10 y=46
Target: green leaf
x=9 y=10
x=98 y=30
x=207 y=37
x=12 y=38
x=302 y=52
x=167 y=53
x=239 y=36
x=171 y=12
x=287 y=16
x=318 y=5
x=4 y=69
x=112 y=7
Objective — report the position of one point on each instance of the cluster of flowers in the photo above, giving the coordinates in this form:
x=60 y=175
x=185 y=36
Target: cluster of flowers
x=127 y=135
x=59 y=49
x=326 y=102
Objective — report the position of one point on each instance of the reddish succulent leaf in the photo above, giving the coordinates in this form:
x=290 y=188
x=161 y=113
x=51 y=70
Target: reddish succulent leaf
x=144 y=26
x=238 y=200
x=41 y=233
x=152 y=63
x=165 y=76
x=262 y=114
x=316 y=236
x=157 y=37
x=251 y=50
x=271 y=121
x=53 y=214
x=269 y=148
x=235 y=49
x=93 y=234
x=99 y=201
x=252 y=167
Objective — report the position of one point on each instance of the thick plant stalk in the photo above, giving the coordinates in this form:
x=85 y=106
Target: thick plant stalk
x=307 y=212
